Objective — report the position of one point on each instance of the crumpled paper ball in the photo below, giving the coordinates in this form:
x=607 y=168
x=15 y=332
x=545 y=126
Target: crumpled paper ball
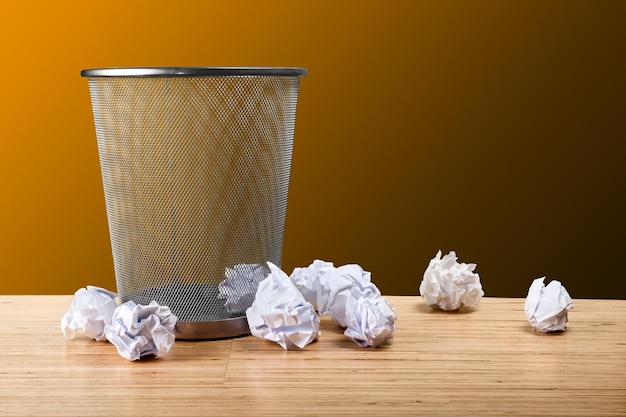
x=348 y=296
x=338 y=286
x=546 y=306
x=280 y=313
x=307 y=279
x=239 y=288
x=141 y=330
x=449 y=285
x=370 y=320
x=91 y=311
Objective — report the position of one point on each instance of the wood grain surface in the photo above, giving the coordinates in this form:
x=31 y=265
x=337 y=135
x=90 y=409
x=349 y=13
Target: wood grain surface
x=481 y=361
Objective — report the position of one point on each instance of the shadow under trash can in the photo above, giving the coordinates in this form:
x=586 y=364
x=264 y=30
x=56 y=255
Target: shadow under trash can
x=195 y=167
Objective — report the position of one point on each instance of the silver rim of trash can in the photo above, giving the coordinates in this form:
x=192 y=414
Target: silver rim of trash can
x=194 y=72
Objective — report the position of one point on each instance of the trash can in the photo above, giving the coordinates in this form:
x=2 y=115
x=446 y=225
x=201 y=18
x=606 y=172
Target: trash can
x=195 y=167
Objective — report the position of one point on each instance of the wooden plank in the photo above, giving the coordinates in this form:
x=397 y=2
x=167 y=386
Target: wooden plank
x=481 y=361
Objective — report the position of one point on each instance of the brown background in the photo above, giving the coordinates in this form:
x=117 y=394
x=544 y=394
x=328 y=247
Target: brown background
x=493 y=128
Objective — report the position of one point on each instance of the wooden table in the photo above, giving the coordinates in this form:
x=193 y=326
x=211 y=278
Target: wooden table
x=482 y=361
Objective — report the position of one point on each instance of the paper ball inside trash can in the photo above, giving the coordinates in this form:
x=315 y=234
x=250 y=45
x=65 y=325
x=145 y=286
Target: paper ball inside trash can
x=239 y=288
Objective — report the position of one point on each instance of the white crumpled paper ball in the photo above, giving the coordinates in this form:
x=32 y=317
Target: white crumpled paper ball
x=239 y=288
x=338 y=286
x=348 y=295
x=90 y=311
x=370 y=320
x=280 y=313
x=450 y=285
x=141 y=330
x=345 y=293
x=546 y=306
x=307 y=279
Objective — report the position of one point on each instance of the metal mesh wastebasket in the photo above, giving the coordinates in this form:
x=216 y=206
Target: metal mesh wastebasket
x=195 y=167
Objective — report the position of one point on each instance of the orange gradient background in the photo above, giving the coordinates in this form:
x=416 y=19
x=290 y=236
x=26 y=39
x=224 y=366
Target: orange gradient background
x=492 y=128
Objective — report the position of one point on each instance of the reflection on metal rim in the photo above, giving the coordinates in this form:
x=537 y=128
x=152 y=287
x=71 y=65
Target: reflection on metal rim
x=193 y=72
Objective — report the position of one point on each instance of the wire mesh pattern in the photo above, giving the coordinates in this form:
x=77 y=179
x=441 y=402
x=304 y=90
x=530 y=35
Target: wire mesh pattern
x=195 y=173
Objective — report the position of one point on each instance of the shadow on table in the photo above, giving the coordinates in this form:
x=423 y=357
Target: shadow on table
x=424 y=308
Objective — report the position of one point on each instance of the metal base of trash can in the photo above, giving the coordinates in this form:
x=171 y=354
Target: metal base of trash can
x=201 y=315
x=211 y=330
